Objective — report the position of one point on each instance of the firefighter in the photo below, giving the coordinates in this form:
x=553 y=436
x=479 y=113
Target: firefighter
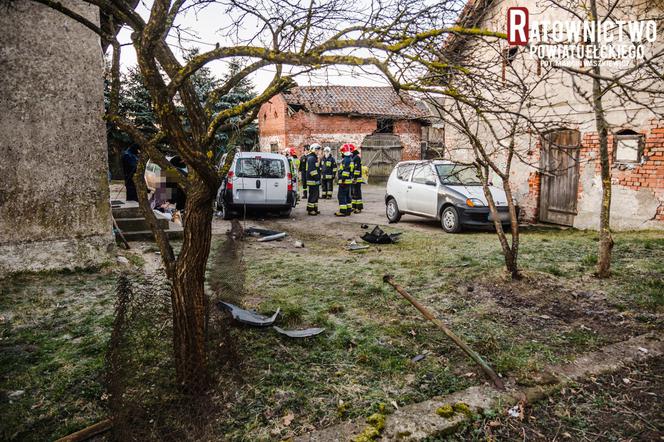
x=296 y=161
x=345 y=180
x=356 y=189
x=312 y=174
x=302 y=167
x=328 y=170
x=294 y=168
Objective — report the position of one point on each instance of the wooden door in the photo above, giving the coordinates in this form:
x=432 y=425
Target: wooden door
x=380 y=153
x=559 y=185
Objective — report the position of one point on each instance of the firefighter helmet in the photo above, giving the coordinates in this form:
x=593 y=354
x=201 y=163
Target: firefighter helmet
x=314 y=147
x=327 y=149
x=293 y=152
x=346 y=149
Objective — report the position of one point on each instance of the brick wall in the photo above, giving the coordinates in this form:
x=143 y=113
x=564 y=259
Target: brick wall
x=645 y=179
x=271 y=117
x=277 y=125
x=646 y=176
x=410 y=134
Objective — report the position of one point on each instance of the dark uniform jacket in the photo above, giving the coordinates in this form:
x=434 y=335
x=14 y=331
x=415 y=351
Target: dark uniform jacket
x=328 y=167
x=345 y=170
x=312 y=170
x=357 y=168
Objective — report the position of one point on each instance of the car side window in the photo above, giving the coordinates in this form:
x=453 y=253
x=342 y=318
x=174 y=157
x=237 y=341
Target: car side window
x=404 y=172
x=423 y=174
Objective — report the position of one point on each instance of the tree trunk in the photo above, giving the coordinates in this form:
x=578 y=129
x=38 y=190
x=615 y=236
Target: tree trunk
x=512 y=266
x=190 y=304
x=509 y=252
x=605 y=239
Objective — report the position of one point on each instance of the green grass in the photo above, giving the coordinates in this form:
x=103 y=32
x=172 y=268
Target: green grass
x=52 y=347
x=56 y=326
x=364 y=357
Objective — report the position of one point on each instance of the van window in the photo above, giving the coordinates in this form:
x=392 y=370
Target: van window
x=260 y=168
x=423 y=174
x=404 y=171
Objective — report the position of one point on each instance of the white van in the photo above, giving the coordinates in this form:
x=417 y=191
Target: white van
x=257 y=181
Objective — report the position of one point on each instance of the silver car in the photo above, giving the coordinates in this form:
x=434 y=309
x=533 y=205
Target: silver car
x=442 y=190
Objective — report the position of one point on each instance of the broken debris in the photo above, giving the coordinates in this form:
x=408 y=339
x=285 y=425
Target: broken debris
x=378 y=236
x=272 y=237
x=246 y=316
x=418 y=358
x=300 y=333
x=250 y=317
x=353 y=246
x=257 y=232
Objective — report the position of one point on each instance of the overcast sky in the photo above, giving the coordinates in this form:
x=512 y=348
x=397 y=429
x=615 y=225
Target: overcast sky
x=207 y=25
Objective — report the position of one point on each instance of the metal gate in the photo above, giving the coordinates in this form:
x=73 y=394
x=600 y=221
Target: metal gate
x=560 y=176
x=380 y=153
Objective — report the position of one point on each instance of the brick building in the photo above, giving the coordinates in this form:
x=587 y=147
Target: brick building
x=388 y=126
x=556 y=178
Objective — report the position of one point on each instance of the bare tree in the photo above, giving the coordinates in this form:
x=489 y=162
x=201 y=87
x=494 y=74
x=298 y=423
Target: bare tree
x=637 y=85
x=289 y=37
x=489 y=102
x=498 y=105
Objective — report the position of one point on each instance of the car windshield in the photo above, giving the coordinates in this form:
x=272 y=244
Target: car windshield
x=260 y=168
x=457 y=175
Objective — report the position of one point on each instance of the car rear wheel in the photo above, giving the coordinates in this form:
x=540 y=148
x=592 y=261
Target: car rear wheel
x=449 y=220
x=392 y=211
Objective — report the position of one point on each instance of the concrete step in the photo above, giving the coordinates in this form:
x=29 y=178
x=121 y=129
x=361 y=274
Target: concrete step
x=146 y=235
x=127 y=212
x=138 y=224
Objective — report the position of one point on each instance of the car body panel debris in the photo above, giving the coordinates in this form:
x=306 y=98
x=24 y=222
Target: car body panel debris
x=353 y=246
x=378 y=236
x=300 y=333
x=272 y=237
x=255 y=231
x=248 y=317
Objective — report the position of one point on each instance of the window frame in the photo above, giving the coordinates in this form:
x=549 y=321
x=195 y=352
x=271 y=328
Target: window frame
x=410 y=173
x=432 y=173
x=632 y=135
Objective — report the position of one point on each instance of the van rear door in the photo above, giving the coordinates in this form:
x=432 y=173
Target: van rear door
x=274 y=173
x=248 y=185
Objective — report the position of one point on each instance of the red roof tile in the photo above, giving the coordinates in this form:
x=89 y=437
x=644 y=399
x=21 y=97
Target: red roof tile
x=356 y=100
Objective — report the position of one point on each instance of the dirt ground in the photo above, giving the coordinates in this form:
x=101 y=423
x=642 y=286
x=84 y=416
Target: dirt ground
x=621 y=406
x=329 y=225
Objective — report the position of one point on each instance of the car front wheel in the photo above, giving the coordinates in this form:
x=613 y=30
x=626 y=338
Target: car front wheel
x=449 y=220
x=392 y=211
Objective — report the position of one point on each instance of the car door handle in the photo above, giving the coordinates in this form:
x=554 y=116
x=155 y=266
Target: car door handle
x=258 y=184
x=276 y=184
x=410 y=187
